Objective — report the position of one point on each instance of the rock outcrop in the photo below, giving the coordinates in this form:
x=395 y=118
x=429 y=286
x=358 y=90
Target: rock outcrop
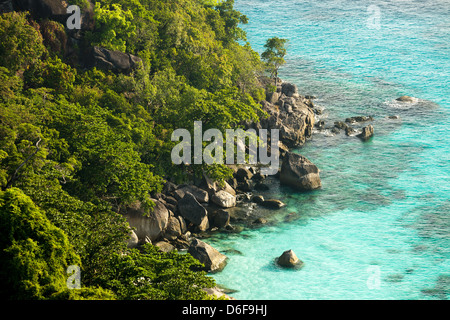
x=289 y=112
x=109 y=60
x=300 y=173
x=359 y=119
x=212 y=259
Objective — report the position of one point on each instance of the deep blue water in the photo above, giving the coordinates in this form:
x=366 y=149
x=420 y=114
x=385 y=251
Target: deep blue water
x=380 y=226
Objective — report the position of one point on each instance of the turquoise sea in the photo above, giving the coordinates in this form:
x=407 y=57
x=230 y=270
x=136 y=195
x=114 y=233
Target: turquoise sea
x=380 y=226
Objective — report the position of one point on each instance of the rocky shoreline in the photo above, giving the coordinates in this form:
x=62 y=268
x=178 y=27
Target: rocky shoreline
x=185 y=214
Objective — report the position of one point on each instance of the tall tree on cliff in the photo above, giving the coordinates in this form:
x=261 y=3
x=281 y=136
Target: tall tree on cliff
x=274 y=55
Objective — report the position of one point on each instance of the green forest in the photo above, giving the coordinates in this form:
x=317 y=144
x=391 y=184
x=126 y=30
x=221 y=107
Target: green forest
x=78 y=144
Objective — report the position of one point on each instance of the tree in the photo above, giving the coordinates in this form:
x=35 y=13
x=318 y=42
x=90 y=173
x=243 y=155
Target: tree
x=274 y=55
x=20 y=43
x=113 y=27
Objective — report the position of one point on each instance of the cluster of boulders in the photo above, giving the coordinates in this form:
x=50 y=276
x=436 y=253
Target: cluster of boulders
x=184 y=213
x=348 y=126
x=289 y=112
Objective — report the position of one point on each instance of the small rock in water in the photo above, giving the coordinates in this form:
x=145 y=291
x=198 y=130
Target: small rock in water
x=258 y=199
x=394 y=278
x=273 y=204
x=289 y=260
x=359 y=119
x=407 y=99
x=367 y=133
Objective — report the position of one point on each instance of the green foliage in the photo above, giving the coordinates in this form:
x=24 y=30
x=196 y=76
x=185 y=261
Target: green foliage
x=20 y=43
x=51 y=73
x=9 y=84
x=35 y=254
x=155 y=275
x=113 y=27
x=78 y=146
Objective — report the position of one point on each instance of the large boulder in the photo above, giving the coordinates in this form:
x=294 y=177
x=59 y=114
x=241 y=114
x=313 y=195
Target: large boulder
x=199 y=194
x=300 y=173
x=164 y=246
x=109 y=60
x=212 y=186
x=220 y=218
x=151 y=224
x=173 y=229
x=289 y=260
x=224 y=199
x=212 y=259
x=193 y=211
x=243 y=174
x=133 y=241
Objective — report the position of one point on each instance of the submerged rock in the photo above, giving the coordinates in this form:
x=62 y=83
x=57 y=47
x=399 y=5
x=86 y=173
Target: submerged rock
x=289 y=260
x=273 y=204
x=260 y=221
x=300 y=173
x=212 y=259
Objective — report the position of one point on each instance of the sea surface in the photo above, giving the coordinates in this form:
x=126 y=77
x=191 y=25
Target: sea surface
x=379 y=228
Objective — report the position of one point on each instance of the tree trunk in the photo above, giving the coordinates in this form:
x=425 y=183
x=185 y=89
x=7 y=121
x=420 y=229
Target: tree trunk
x=276 y=78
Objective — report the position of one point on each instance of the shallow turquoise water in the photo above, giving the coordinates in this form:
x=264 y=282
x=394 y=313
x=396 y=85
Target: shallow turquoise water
x=380 y=226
